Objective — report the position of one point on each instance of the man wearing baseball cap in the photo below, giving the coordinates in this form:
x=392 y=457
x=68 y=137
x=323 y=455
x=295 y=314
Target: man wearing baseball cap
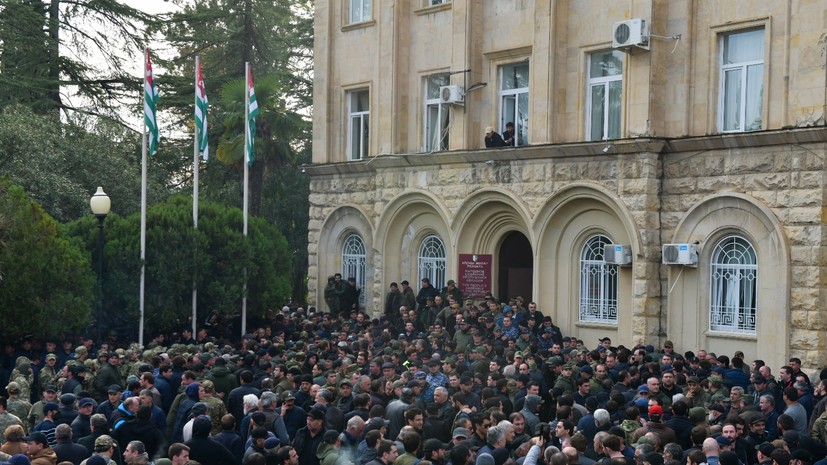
x=309 y=438
x=48 y=425
x=656 y=426
x=39 y=450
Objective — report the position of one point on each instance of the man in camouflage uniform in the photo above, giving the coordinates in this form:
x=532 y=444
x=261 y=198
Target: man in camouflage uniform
x=6 y=419
x=92 y=368
x=206 y=394
x=129 y=363
x=24 y=380
x=49 y=371
x=17 y=406
x=81 y=354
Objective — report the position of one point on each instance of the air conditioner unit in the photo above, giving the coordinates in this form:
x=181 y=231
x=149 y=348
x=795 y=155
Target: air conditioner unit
x=451 y=94
x=630 y=33
x=680 y=254
x=614 y=254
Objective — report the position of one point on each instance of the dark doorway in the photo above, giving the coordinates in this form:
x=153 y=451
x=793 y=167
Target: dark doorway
x=516 y=267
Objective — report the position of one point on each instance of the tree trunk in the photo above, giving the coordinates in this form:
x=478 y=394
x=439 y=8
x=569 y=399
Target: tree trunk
x=53 y=93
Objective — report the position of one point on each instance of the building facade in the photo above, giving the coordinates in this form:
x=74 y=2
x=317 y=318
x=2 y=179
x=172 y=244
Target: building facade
x=701 y=125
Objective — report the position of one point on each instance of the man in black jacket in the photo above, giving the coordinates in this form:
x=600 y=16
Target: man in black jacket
x=203 y=449
x=307 y=439
x=681 y=424
x=425 y=292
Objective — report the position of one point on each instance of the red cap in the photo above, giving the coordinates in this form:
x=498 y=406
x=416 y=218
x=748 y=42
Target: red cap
x=655 y=410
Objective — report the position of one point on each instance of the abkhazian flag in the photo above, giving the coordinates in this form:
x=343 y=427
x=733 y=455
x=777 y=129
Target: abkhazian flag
x=252 y=112
x=201 y=106
x=150 y=103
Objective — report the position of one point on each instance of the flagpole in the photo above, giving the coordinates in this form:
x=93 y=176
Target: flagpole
x=143 y=216
x=195 y=173
x=246 y=164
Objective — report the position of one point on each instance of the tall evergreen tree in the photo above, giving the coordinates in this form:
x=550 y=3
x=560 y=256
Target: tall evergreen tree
x=69 y=55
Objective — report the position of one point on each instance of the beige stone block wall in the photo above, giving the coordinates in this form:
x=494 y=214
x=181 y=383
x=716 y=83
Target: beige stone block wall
x=655 y=192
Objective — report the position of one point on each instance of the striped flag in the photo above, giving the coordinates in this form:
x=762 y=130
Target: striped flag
x=252 y=112
x=150 y=103
x=201 y=106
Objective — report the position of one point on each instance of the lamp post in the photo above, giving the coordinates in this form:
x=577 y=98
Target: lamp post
x=100 y=205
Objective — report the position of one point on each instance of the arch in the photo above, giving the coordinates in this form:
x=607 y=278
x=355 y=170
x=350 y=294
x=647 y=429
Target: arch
x=563 y=225
x=402 y=227
x=485 y=219
x=707 y=223
x=336 y=228
x=585 y=191
x=486 y=216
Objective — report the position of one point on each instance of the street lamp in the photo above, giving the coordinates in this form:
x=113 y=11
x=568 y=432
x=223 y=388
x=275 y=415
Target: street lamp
x=100 y=204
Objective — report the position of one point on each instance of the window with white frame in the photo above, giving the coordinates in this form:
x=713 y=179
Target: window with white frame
x=359 y=124
x=436 y=114
x=436 y=2
x=432 y=261
x=604 y=95
x=733 y=286
x=353 y=263
x=514 y=100
x=598 y=283
x=742 y=81
x=359 y=11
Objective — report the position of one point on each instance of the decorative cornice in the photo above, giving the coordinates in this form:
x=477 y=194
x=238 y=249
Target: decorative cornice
x=603 y=150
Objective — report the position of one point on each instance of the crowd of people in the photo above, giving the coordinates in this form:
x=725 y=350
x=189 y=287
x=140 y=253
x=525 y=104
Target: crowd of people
x=435 y=380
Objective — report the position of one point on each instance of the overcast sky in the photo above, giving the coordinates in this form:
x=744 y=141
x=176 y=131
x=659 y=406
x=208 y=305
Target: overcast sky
x=151 y=6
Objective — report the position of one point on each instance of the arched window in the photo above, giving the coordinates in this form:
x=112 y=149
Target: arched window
x=733 y=285
x=598 y=283
x=432 y=261
x=353 y=263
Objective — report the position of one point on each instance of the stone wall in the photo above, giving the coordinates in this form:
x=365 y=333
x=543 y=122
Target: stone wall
x=656 y=184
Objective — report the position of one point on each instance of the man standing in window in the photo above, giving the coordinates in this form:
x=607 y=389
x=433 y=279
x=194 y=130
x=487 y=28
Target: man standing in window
x=508 y=134
x=492 y=139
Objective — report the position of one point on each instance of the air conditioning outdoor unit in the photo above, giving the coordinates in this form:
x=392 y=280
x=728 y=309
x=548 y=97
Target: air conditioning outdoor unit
x=614 y=254
x=680 y=254
x=451 y=94
x=630 y=33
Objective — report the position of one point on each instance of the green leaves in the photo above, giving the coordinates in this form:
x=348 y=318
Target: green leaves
x=60 y=164
x=46 y=279
x=216 y=254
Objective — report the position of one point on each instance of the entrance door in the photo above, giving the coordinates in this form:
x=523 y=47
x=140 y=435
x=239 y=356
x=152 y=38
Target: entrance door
x=516 y=268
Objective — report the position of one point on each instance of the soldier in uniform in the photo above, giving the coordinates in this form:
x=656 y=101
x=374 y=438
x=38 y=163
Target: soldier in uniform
x=90 y=375
x=6 y=419
x=24 y=380
x=17 y=406
x=48 y=374
x=330 y=297
x=206 y=394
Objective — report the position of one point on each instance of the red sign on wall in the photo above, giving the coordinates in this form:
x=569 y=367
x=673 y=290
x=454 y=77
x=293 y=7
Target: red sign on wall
x=474 y=275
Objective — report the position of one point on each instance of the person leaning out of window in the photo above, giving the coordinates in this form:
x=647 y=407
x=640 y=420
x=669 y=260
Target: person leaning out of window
x=492 y=139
